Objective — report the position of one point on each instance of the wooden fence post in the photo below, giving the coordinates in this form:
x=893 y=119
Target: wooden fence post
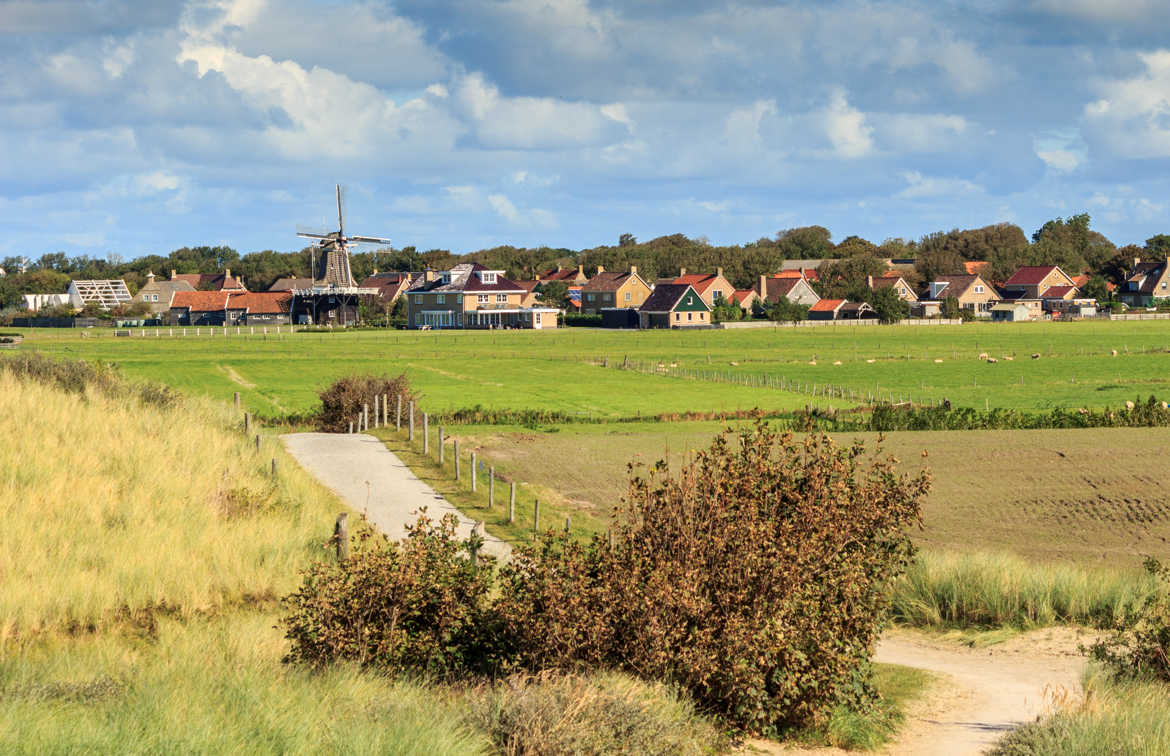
x=511 y=502
x=474 y=472
x=257 y=442
x=365 y=416
x=398 y=414
x=535 y=518
x=341 y=536
x=410 y=428
x=491 y=487
x=441 y=449
x=426 y=436
x=385 y=410
x=376 y=423
x=568 y=524
x=274 y=467
x=455 y=454
x=247 y=422
x=237 y=399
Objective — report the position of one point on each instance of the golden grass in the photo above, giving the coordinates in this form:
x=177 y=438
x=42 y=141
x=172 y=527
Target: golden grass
x=113 y=509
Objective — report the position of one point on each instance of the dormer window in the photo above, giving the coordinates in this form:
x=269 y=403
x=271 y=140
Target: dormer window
x=487 y=276
x=445 y=277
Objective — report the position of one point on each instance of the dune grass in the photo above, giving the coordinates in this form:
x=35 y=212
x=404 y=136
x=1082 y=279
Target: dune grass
x=1115 y=717
x=990 y=590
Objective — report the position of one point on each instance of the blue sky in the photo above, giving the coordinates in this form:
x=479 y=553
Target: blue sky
x=137 y=126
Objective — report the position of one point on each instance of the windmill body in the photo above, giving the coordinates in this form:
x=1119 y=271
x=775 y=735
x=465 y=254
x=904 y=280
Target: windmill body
x=334 y=293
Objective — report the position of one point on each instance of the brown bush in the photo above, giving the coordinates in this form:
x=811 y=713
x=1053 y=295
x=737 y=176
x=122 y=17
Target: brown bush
x=756 y=580
x=342 y=402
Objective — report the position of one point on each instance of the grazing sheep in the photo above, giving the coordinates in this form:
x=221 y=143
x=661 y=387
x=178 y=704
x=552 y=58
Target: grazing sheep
x=870 y=361
x=992 y=360
x=983 y=355
x=1128 y=405
x=937 y=361
x=1035 y=355
x=837 y=362
x=1113 y=352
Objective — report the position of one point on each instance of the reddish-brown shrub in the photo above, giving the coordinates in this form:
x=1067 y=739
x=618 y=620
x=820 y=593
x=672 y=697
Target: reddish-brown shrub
x=756 y=579
x=342 y=402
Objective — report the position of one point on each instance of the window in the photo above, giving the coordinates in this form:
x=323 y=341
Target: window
x=418 y=298
x=716 y=294
x=690 y=316
x=440 y=299
x=690 y=299
x=458 y=299
x=678 y=316
x=482 y=298
x=978 y=289
x=628 y=293
x=487 y=276
x=590 y=297
x=501 y=299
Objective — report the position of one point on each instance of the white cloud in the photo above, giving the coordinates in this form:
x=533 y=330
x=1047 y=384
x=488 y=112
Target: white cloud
x=921 y=187
x=922 y=132
x=1133 y=116
x=741 y=128
x=846 y=127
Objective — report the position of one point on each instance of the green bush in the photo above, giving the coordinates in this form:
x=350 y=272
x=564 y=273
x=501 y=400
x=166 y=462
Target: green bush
x=582 y=319
x=342 y=402
x=412 y=607
x=79 y=376
x=1139 y=646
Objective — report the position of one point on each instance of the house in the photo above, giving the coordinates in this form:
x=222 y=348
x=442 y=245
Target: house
x=568 y=275
x=38 y=302
x=157 y=294
x=574 y=301
x=1146 y=283
x=893 y=281
x=826 y=309
x=291 y=283
x=674 y=306
x=259 y=308
x=1031 y=281
x=710 y=287
x=1010 y=312
x=199 y=308
x=746 y=299
x=211 y=281
x=613 y=290
x=472 y=296
x=856 y=311
x=972 y=292
x=531 y=289
x=106 y=294
x=390 y=286
x=795 y=289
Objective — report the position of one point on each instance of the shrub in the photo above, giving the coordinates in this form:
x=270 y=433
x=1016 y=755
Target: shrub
x=756 y=580
x=79 y=376
x=582 y=319
x=414 y=606
x=1139 y=646
x=604 y=713
x=342 y=402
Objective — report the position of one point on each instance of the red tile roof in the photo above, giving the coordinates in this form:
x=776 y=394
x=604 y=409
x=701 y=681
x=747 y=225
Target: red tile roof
x=261 y=302
x=1030 y=275
x=528 y=286
x=201 y=301
x=827 y=305
x=739 y=297
x=1057 y=292
x=699 y=281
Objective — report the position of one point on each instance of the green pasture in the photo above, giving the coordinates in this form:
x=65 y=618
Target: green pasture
x=1075 y=366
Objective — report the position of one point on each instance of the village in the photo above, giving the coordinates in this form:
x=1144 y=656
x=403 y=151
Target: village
x=471 y=296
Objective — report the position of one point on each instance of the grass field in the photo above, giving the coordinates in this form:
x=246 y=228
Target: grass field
x=530 y=370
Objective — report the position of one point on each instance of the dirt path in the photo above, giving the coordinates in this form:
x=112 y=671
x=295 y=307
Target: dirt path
x=371 y=479
x=982 y=692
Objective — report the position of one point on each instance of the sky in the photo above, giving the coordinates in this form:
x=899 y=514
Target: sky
x=132 y=127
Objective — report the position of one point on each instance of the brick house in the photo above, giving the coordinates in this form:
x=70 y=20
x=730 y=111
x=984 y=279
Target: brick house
x=613 y=290
x=795 y=289
x=972 y=292
x=708 y=286
x=1032 y=281
x=826 y=309
x=472 y=296
x=893 y=281
x=211 y=281
x=230 y=308
x=199 y=308
x=157 y=295
x=1146 y=283
x=674 y=306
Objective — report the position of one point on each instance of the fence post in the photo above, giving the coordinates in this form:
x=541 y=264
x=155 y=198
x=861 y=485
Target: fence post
x=398 y=414
x=237 y=399
x=365 y=416
x=426 y=436
x=568 y=524
x=511 y=502
x=247 y=422
x=257 y=442
x=351 y=426
x=474 y=472
x=410 y=428
x=274 y=467
x=535 y=518
x=385 y=410
x=441 y=449
x=341 y=536
x=376 y=424
x=455 y=454
x=491 y=487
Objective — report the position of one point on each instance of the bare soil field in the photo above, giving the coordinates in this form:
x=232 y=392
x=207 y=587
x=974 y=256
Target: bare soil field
x=1093 y=496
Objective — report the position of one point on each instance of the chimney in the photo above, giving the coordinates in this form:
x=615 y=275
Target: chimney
x=600 y=268
x=1137 y=261
x=633 y=270
x=763 y=292
x=719 y=272
x=150 y=276
x=375 y=271
x=227 y=273
x=682 y=272
x=429 y=275
x=580 y=270
x=172 y=274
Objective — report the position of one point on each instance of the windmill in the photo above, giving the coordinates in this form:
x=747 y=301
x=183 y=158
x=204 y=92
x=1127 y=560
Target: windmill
x=332 y=268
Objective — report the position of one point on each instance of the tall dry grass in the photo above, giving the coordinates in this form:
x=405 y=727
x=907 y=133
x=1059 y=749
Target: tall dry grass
x=113 y=508
x=949 y=589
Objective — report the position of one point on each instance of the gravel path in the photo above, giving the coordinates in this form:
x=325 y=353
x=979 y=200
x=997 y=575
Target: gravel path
x=371 y=479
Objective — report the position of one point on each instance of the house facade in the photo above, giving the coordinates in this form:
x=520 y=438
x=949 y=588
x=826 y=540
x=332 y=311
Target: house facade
x=674 y=306
x=1146 y=283
x=157 y=295
x=795 y=289
x=826 y=309
x=903 y=289
x=614 y=289
x=472 y=296
x=972 y=292
x=1032 y=281
x=711 y=287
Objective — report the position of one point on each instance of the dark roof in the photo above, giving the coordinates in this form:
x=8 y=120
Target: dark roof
x=885 y=282
x=666 y=297
x=1144 y=276
x=606 y=281
x=559 y=274
x=464 y=278
x=288 y=284
x=209 y=281
x=1057 y=292
x=527 y=285
x=1030 y=275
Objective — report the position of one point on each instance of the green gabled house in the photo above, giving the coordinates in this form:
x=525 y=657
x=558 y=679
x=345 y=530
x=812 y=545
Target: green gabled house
x=674 y=306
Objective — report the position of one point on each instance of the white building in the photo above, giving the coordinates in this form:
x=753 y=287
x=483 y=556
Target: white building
x=105 y=294
x=38 y=302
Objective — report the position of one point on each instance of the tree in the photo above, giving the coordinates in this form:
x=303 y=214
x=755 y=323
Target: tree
x=786 y=311
x=1158 y=246
x=805 y=243
x=950 y=308
x=725 y=310
x=553 y=293
x=1095 y=288
x=848 y=277
x=939 y=261
x=890 y=308
x=627 y=240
